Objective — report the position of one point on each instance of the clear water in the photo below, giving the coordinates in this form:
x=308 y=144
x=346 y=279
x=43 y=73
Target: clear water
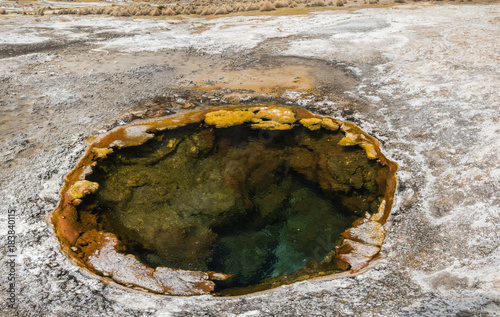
x=253 y=203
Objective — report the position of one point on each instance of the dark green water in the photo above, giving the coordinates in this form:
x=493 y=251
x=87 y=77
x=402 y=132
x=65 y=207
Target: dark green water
x=235 y=200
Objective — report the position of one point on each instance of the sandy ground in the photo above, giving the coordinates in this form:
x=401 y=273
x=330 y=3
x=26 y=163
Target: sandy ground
x=423 y=79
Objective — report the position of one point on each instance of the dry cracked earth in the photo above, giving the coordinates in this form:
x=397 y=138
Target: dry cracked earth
x=424 y=79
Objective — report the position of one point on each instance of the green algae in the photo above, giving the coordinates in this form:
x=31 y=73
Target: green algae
x=235 y=200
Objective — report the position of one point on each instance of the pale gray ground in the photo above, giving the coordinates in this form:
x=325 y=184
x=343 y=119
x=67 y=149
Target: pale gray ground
x=423 y=79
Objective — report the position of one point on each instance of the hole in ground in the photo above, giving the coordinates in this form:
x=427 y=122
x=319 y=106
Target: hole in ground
x=254 y=203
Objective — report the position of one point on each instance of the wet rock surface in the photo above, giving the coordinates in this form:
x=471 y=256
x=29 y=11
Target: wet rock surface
x=426 y=86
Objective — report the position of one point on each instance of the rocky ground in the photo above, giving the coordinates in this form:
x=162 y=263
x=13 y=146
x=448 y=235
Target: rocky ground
x=423 y=78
